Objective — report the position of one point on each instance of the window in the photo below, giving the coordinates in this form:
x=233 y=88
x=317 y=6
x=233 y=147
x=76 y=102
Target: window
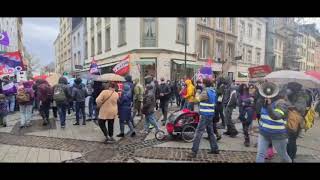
x=92 y=46
x=75 y=58
x=108 y=39
x=98 y=20
x=107 y=20
x=99 y=43
x=242 y=28
x=204 y=21
x=122 y=31
x=86 y=50
x=259 y=34
x=92 y=23
x=219 y=23
x=74 y=40
x=249 y=30
x=258 y=57
x=204 y=48
x=276 y=43
x=79 y=58
x=249 y=55
x=181 y=30
x=149 y=37
x=219 y=50
x=230 y=24
x=230 y=51
x=78 y=39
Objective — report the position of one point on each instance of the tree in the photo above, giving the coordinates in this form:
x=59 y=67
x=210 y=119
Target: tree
x=33 y=63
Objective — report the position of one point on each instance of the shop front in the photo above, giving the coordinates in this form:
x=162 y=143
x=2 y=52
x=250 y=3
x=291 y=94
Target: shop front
x=147 y=66
x=178 y=69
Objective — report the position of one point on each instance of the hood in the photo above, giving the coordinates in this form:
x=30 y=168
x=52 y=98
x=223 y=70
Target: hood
x=188 y=82
x=128 y=78
x=63 y=80
x=27 y=84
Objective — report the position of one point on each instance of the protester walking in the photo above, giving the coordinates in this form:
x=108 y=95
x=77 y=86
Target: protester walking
x=207 y=100
x=9 y=89
x=107 y=102
x=124 y=105
x=25 y=98
x=272 y=128
x=44 y=97
x=79 y=95
x=148 y=109
x=190 y=94
x=97 y=89
x=91 y=110
x=3 y=110
x=137 y=99
x=61 y=94
x=165 y=92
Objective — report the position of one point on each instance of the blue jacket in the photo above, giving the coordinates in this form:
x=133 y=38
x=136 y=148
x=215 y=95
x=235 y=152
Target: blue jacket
x=124 y=103
x=207 y=105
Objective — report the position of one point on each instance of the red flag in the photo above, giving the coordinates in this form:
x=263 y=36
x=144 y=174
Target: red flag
x=93 y=66
x=123 y=66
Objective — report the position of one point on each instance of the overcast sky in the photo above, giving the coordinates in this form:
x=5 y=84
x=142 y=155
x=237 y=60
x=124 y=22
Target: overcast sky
x=39 y=35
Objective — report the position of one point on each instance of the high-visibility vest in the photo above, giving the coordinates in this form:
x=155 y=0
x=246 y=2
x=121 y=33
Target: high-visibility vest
x=208 y=108
x=271 y=126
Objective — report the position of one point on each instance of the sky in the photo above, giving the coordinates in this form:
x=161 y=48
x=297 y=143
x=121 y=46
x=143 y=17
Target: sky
x=38 y=37
x=40 y=33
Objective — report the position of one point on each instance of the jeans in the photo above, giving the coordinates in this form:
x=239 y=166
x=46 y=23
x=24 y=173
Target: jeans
x=150 y=119
x=80 y=108
x=205 y=123
x=292 y=143
x=55 y=111
x=182 y=103
x=227 y=115
x=26 y=113
x=102 y=125
x=164 y=108
x=279 y=144
x=11 y=102
x=44 y=110
x=136 y=109
x=246 y=115
x=92 y=111
x=178 y=99
x=219 y=113
x=62 y=110
x=122 y=124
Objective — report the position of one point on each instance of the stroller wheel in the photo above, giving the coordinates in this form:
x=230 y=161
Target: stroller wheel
x=160 y=135
x=188 y=133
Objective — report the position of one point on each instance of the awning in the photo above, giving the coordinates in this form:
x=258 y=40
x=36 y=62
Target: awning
x=146 y=61
x=190 y=64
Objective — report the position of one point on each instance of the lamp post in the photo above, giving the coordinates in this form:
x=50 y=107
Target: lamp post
x=185 y=48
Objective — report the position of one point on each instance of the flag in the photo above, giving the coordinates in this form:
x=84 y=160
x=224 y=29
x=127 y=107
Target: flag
x=123 y=66
x=4 y=38
x=93 y=67
x=11 y=62
x=205 y=71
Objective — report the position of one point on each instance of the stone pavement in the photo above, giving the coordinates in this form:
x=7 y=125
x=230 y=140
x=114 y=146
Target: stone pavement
x=84 y=144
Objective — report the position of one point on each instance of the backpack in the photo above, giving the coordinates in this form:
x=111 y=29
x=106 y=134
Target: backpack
x=23 y=96
x=44 y=92
x=59 y=94
x=295 y=120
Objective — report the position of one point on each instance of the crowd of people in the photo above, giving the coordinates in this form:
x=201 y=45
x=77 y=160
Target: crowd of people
x=216 y=101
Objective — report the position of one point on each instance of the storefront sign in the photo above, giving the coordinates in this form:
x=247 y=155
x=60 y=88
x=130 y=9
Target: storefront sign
x=259 y=71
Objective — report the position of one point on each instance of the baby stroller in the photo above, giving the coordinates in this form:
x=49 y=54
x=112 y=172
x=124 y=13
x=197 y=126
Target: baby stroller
x=181 y=123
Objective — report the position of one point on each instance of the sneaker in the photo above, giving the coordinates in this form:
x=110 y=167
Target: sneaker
x=112 y=140
x=133 y=134
x=192 y=155
x=228 y=133
x=120 y=135
x=90 y=119
x=233 y=135
x=219 y=137
x=29 y=124
x=4 y=125
x=76 y=124
x=22 y=127
x=44 y=123
x=246 y=143
x=62 y=126
x=214 y=152
x=83 y=123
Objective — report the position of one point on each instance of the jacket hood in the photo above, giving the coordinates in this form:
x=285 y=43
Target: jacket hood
x=188 y=82
x=63 y=80
x=27 y=84
x=128 y=78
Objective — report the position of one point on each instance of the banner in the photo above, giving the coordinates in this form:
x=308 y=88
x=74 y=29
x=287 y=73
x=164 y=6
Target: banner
x=11 y=62
x=123 y=66
x=259 y=71
x=93 y=67
x=205 y=71
x=4 y=38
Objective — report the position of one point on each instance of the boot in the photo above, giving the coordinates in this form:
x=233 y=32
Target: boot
x=120 y=135
x=245 y=127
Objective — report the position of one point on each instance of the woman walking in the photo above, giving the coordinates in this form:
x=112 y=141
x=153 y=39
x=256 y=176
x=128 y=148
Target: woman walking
x=124 y=105
x=25 y=98
x=107 y=102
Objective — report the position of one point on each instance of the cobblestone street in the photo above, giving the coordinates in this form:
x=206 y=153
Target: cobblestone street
x=85 y=144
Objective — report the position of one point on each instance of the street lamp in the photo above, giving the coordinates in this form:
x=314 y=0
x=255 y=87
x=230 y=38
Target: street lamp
x=185 y=48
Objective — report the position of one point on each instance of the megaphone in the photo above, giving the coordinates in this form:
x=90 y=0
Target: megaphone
x=268 y=90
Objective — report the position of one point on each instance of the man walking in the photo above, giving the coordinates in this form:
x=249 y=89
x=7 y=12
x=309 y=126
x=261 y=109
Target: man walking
x=60 y=96
x=79 y=94
x=207 y=100
x=137 y=98
x=165 y=92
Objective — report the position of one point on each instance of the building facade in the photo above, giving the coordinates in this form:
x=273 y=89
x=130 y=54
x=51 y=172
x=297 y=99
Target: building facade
x=155 y=45
x=250 y=46
x=56 y=45
x=11 y=25
x=77 y=44
x=64 y=62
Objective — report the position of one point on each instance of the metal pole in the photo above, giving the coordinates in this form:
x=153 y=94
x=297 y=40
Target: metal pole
x=185 y=49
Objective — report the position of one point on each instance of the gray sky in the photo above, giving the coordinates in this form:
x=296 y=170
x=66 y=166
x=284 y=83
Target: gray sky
x=39 y=35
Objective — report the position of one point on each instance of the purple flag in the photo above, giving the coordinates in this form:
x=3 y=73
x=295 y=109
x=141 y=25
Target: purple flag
x=4 y=39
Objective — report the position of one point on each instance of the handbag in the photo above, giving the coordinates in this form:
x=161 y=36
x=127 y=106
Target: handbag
x=105 y=100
